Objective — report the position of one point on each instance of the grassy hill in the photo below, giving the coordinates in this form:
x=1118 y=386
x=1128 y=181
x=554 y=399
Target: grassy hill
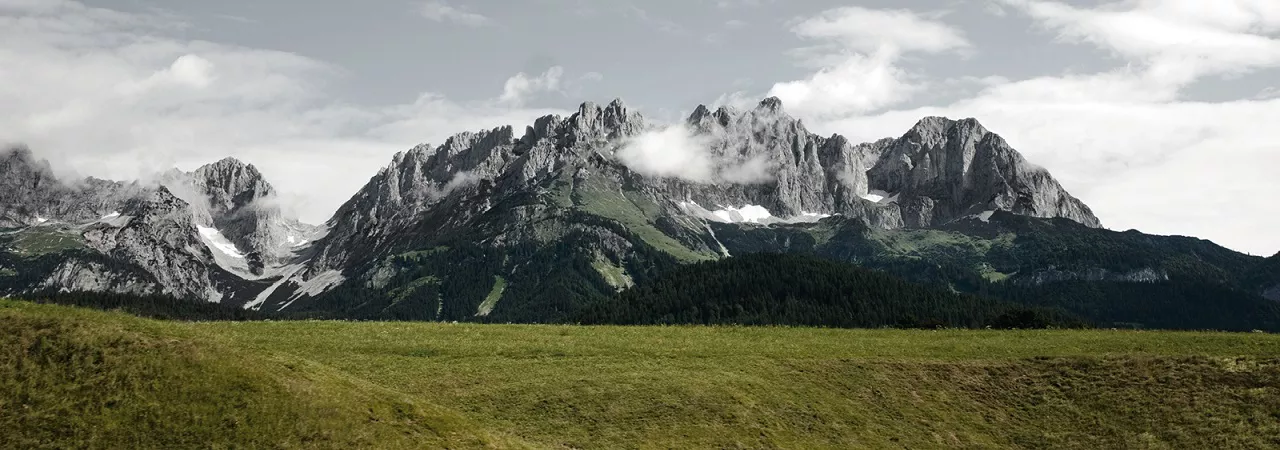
x=72 y=378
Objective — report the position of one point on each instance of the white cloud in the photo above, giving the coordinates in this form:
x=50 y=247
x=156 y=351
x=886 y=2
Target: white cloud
x=1122 y=139
x=114 y=95
x=441 y=11
x=674 y=152
x=191 y=70
x=859 y=57
x=519 y=88
x=1177 y=41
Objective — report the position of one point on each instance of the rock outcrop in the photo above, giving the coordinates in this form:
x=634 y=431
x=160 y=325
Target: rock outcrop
x=156 y=233
x=33 y=195
x=944 y=169
x=236 y=200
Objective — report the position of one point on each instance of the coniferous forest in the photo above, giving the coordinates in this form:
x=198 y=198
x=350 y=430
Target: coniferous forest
x=790 y=289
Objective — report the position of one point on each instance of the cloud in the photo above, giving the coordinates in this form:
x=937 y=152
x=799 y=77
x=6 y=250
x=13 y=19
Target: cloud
x=674 y=152
x=1267 y=93
x=859 y=59
x=677 y=151
x=994 y=8
x=519 y=88
x=441 y=11
x=1123 y=139
x=122 y=96
x=1176 y=41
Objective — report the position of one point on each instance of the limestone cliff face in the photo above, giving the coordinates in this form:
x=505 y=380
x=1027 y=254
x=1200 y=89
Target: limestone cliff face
x=495 y=161
x=153 y=232
x=156 y=233
x=234 y=198
x=770 y=159
x=939 y=171
x=33 y=195
x=943 y=169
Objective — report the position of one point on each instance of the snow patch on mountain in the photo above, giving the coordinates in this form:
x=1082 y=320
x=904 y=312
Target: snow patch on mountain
x=287 y=274
x=316 y=286
x=747 y=214
x=218 y=243
x=880 y=197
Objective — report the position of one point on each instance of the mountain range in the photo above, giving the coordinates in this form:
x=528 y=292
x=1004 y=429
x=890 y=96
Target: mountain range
x=545 y=223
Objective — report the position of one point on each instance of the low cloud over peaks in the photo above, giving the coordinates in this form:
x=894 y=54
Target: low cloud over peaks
x=678 y=151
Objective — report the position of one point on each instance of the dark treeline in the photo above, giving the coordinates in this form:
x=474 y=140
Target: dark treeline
x=1170 y=305
x=150 y=306
x=790 y=289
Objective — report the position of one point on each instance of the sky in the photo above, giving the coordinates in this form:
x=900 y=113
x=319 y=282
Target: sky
x=1162 y=115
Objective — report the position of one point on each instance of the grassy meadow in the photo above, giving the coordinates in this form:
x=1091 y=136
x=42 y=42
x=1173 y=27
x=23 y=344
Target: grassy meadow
x=75 y=378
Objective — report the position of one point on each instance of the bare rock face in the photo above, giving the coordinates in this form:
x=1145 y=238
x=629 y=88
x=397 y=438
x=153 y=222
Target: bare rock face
x=235 y=199
x=770 y=159
x=419 y=180
x=160 y=230
x=944 y=169
x=33 y=195
x=80 y=276
x=938 y=172
x=231 y=184
x=156 y=233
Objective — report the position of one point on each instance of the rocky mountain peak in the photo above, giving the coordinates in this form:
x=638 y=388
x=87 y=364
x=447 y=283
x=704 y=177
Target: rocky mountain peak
x=593 y=124
x=932 y=131
x=771 y=104
x=19 y=162
x=964 y=169
x=17 y=153
x=159 y=201
x=33 y=194
x=698 y=114
x=231 y=184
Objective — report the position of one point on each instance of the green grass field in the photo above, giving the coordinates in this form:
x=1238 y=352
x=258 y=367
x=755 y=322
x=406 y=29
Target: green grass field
x=77 y=378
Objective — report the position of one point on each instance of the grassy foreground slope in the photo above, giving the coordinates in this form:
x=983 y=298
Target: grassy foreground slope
x=146 y=383
x=73 y=378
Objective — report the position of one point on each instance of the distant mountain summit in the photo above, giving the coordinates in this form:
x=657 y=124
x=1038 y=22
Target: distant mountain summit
x=234 y=199
x=943 y=169
x=33 y=195
x=200 y=235
x=536 y=225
